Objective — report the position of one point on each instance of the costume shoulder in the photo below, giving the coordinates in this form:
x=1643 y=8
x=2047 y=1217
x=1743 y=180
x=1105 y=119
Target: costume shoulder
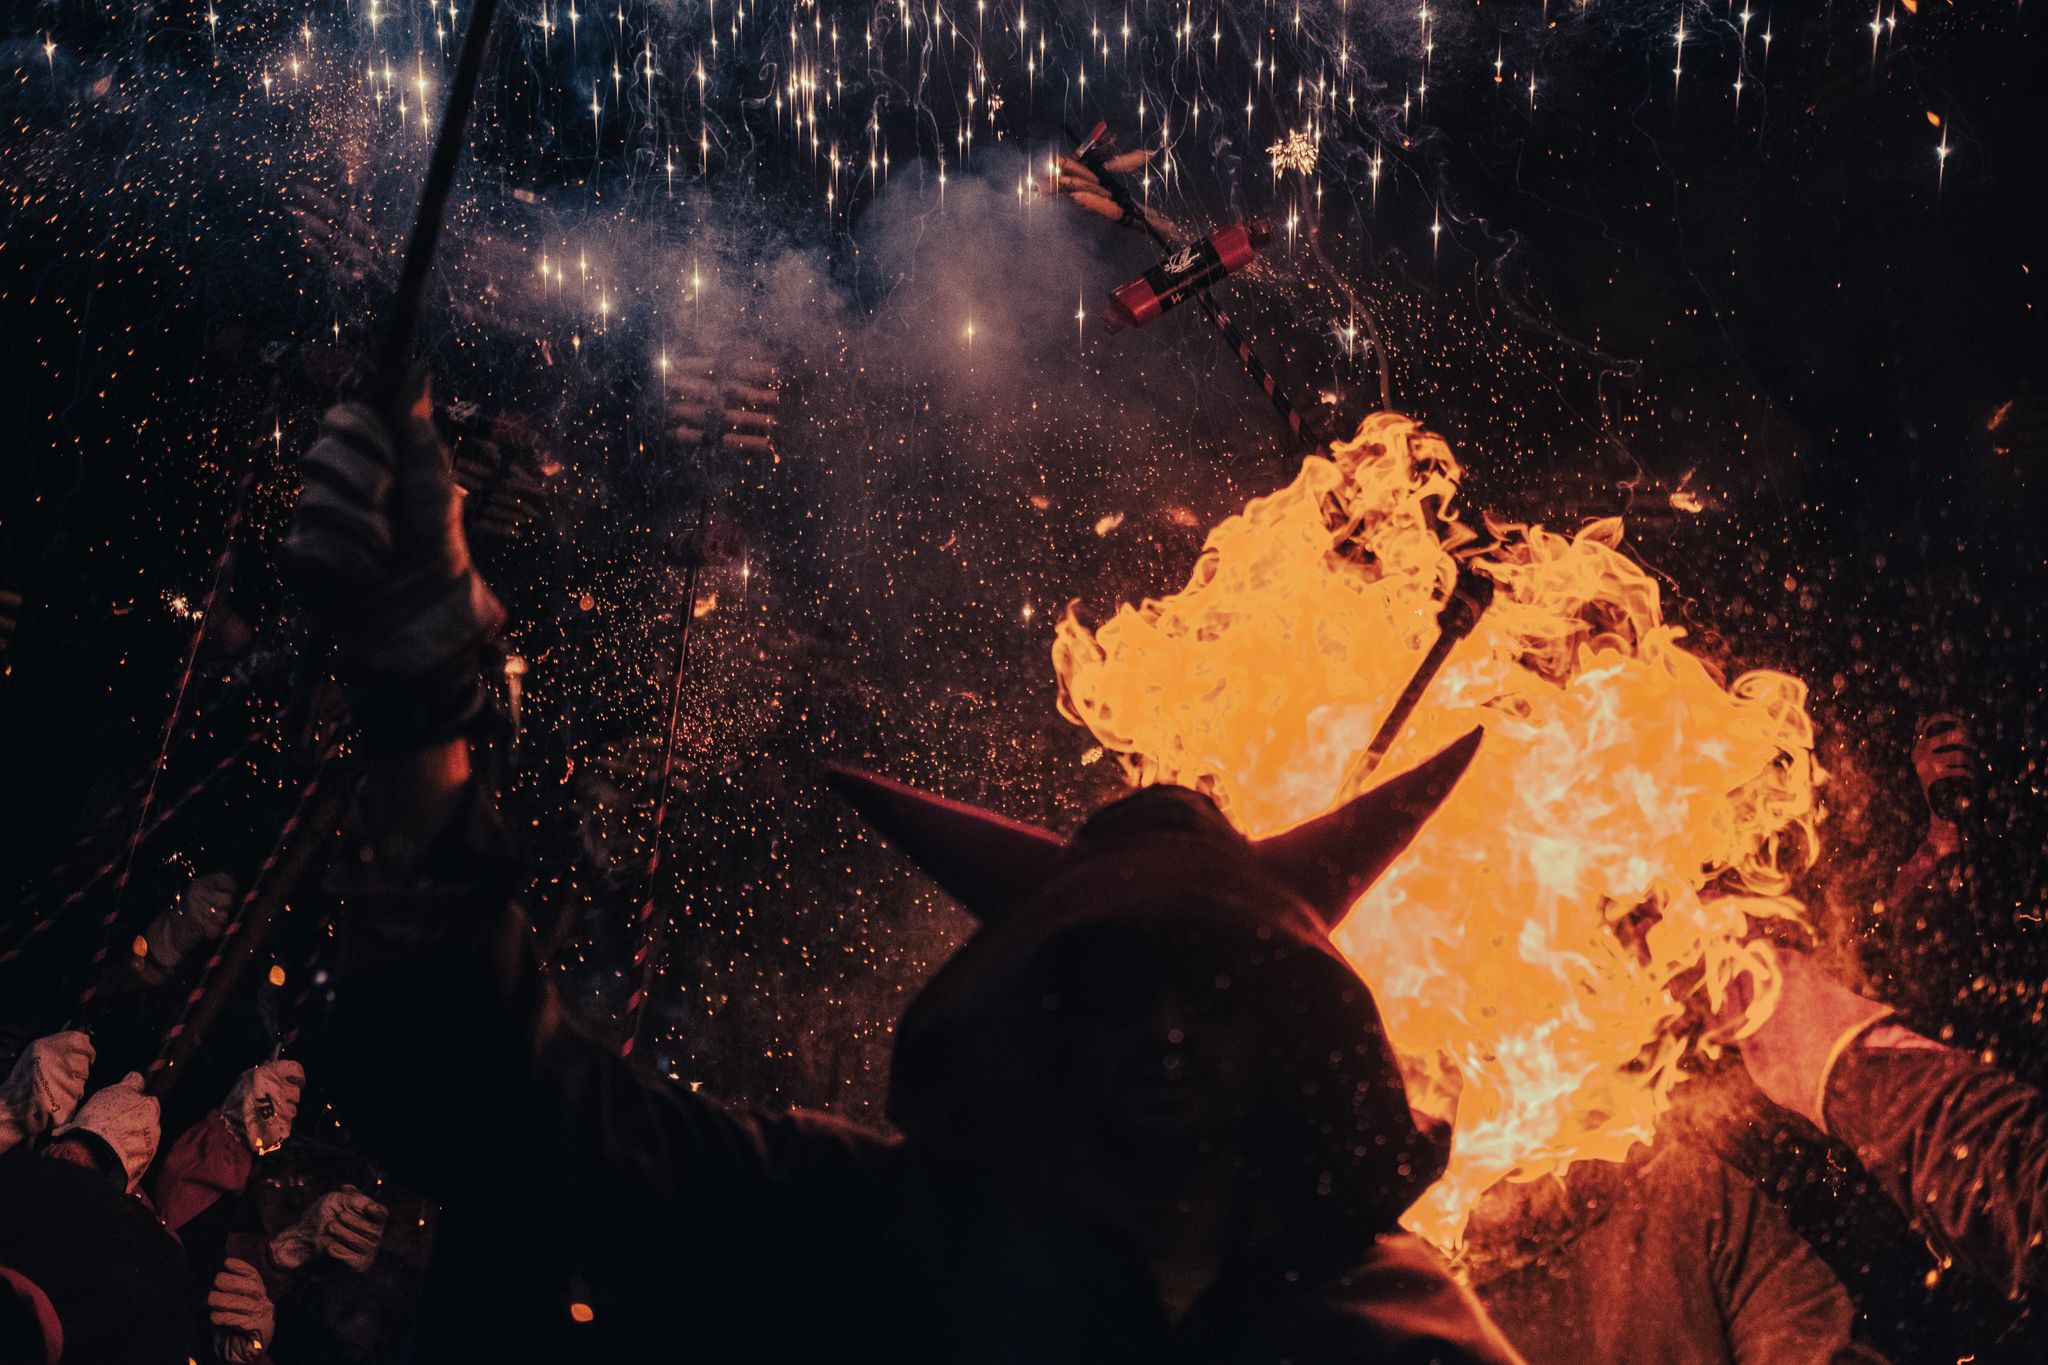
x=461 y=1066
x=1404 y=1306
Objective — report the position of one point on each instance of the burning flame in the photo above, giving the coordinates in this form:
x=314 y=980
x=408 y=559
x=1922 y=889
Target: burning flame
x=1626 y=815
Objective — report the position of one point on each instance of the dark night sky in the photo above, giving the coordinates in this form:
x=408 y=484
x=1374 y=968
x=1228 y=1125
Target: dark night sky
x=1640 y=286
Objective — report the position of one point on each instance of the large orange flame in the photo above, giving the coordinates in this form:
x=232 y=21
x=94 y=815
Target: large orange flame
x=1626 y=813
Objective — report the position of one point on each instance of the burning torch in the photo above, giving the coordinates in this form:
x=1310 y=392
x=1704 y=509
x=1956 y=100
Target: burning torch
x=1459 y=615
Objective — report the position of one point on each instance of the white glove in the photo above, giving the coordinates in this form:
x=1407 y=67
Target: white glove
x=199 y=917
x=345 y=1224
x=1791 y=1054
x=125 y=1119
x=241 y=1312
x=263 y=1104
x=44 y=1086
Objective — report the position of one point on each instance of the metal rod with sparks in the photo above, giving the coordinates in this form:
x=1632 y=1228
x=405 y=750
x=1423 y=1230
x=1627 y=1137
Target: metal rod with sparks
x=304 y=837
x=647 y=951
x=103 y=942
x=433 y=206
x=1093 y=152
x=1468 y=602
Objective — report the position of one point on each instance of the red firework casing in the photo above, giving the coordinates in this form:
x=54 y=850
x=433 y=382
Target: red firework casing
x=1187 y=271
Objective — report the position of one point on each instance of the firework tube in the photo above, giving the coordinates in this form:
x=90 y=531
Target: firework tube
x=1187 y=271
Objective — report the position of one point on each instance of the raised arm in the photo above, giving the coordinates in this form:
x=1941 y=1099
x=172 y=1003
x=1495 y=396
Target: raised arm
x=1959 y=1145
x=454 y=1057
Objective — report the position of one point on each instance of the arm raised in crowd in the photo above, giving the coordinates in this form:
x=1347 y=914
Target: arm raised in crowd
x=454 y=1055
x=1959 y=1145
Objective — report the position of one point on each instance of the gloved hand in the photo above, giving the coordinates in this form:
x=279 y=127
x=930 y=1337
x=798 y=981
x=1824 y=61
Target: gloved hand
x=1950 y=771
x=199 y=917
x=44 y=1086
x=263 y=1104
x=243 y=1317
x=377 y=543
x=1790 y=1054
x=125 y=1119
x=345 y=1224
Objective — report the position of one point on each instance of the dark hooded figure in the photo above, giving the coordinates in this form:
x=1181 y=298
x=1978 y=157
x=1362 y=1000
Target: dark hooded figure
x=1147 y=1113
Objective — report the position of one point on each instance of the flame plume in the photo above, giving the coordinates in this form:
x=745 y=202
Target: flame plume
x=1625 y=817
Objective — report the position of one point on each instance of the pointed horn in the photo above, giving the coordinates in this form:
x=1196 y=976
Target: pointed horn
x=1333 y=858
x=987 y=863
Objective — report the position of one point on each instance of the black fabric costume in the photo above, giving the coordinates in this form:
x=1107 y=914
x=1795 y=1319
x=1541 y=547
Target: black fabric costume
x=695 y=1231
x=117 y=1280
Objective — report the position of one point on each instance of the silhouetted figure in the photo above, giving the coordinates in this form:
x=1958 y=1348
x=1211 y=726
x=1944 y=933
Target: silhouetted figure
x=1147 y=1113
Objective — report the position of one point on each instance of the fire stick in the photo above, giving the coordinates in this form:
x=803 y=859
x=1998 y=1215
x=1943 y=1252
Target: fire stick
x=1468 y=602
x=647 y=951
x=1187 y=271
x=304 y=837
x=426 y=223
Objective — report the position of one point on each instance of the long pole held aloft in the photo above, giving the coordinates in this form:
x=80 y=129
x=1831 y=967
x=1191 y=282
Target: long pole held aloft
x=647 y=947
x=304 y=837
x=1473 y=592
x=426 y=223
x=306 y=832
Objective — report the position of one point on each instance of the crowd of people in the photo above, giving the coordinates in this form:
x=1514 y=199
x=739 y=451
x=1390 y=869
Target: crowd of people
x=1146 y=1112
x=117 y=1247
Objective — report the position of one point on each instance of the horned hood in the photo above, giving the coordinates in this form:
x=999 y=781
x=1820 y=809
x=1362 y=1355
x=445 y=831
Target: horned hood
x=1165 y=856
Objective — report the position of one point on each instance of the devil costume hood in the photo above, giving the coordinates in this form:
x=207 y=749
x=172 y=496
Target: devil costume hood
x=1162 y=858
x=600 y=1213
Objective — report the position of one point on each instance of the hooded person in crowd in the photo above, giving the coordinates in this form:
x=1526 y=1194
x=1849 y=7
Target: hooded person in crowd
x=84 y=1261
x=1147 y=1113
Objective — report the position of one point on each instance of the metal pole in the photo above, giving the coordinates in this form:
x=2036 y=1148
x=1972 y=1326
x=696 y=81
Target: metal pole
x=426 y=223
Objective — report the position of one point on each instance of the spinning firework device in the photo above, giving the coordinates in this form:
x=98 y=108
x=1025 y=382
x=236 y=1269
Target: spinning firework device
x=1093 y=152
x=1187 y=271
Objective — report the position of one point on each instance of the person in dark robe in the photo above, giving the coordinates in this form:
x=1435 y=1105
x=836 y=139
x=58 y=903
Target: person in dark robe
x=1147 y=1113
x=88 y=1271
x=1670 y=1255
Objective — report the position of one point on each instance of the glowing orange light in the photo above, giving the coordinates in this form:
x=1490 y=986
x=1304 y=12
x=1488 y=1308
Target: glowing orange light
x=1626 y=815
